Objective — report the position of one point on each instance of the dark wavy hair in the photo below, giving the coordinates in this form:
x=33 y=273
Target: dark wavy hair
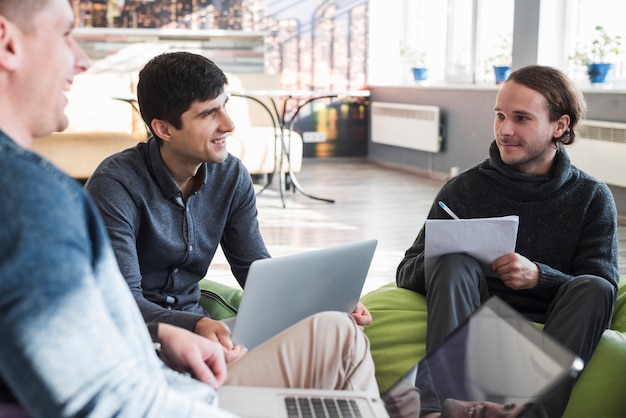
x=169 y=83
x=562 y=97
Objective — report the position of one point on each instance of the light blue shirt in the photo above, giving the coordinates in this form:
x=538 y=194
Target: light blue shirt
x=72 y=340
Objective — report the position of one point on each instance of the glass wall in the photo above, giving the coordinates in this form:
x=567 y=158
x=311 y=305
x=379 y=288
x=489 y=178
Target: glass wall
x=337 y=44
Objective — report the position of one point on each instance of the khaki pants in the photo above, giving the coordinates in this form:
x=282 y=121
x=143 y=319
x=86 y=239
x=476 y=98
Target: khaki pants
x=325 y=351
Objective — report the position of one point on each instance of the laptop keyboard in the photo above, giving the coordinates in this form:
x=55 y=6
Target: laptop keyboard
x=306 y=407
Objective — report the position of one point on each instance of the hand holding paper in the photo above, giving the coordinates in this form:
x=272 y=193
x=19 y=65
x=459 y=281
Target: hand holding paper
x=485 y=239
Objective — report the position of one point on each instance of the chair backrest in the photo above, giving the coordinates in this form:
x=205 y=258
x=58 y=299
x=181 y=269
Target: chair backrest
x=94 y=105
x=78 y=154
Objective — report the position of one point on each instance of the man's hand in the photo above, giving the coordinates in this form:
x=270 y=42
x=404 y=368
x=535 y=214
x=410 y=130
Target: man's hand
x=187 y=352
x=218 y=331
x=361 y=315
x=516 y=271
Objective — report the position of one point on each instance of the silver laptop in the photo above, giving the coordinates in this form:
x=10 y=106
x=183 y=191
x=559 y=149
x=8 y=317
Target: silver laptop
x=496 y=356
x=281 y=291
x=257 y=402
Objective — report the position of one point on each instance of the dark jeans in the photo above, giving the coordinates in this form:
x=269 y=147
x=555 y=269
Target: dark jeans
x=577 y=315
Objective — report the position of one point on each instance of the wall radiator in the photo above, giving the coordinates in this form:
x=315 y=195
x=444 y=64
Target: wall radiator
x=600 y=150
x=405 y=125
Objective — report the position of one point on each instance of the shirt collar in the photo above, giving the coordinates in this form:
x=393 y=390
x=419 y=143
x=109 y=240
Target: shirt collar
x=162 y=175
x=5 y=140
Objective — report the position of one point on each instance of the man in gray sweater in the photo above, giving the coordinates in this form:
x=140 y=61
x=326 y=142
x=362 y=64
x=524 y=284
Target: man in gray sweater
x=563 y=272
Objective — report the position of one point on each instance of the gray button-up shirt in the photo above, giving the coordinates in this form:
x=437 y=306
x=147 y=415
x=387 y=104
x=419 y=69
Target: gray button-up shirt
x=163 y=245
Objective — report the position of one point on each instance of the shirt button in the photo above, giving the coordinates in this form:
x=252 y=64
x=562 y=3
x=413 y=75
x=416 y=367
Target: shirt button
x=191 y=248
x=175 y=270
x=187 y=208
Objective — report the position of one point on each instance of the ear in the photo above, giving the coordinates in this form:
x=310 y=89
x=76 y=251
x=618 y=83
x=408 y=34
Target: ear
x=562 y=124
x=161 y=129
x=9 y=56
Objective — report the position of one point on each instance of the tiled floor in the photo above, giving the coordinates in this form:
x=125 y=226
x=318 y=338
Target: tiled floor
x=372 y=201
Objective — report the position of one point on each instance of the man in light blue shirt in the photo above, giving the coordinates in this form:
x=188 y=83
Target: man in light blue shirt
x=73 y=342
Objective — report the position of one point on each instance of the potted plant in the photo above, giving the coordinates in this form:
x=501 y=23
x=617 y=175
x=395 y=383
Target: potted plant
x=501 y=60
x=415 y=60
x=597 y=55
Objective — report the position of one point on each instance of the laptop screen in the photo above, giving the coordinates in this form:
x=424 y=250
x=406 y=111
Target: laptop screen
x=290 y=288
x=496 y=356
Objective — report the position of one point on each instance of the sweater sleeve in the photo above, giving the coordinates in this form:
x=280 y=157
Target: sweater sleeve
x=596 y=251
x=410 y=273
x=73 y=343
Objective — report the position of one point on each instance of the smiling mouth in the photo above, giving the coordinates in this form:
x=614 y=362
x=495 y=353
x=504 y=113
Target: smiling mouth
x=507 y=144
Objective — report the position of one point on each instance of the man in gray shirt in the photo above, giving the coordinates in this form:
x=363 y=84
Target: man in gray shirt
x=168 y=203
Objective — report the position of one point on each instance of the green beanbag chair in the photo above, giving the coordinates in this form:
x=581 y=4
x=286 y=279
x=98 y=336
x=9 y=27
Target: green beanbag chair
x=398 y=339
x=219 y=300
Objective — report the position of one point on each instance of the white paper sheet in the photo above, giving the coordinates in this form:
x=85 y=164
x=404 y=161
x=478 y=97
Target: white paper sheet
x=485 y=239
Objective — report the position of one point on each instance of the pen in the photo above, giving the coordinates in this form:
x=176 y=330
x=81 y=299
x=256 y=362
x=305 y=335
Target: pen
x=447 y=209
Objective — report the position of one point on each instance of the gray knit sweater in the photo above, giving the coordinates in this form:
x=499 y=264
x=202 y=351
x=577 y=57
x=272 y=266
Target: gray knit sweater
x=568 y=224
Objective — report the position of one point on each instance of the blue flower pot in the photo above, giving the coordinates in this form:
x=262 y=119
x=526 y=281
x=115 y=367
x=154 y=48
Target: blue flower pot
x=597 y=72
x=502 y=73
x=420 y=73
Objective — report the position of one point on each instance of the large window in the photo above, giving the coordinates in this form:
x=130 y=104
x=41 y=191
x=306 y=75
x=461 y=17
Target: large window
x=425 y=34
x=459 y=41
x=461 y=34
x=494 y=37
x=585 y=16
x=462 y=40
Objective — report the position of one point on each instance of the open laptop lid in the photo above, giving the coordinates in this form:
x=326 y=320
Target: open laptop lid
x=497 y=356
x=281 y=291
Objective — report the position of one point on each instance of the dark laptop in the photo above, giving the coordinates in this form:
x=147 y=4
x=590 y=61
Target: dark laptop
x=496 y=356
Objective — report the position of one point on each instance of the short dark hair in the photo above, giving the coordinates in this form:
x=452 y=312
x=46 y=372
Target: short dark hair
x=169 y=83
x=562 y=97
x=21 y=12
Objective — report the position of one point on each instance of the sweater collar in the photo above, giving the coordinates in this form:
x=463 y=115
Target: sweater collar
x=528 y=184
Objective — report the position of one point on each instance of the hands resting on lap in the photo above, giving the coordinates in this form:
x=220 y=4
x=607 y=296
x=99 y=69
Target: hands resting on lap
x=205 y=352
